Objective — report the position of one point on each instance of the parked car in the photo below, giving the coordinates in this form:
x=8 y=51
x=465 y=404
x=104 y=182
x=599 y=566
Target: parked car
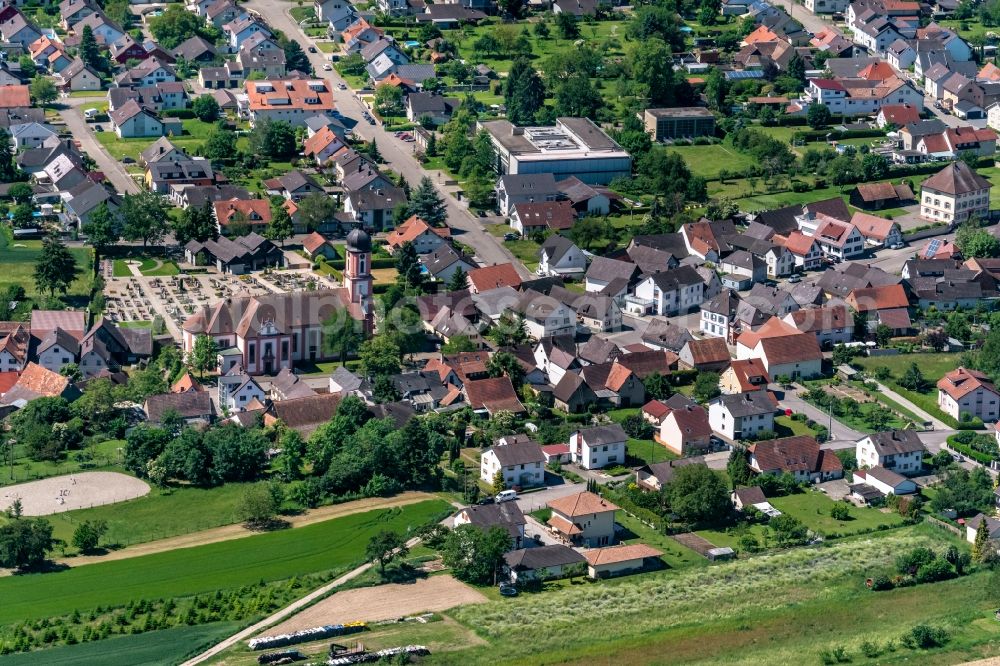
x=312 y=49
x=98 y=128
x=484 y=501
x=341 y=86
x=327 y=67
x=505 y=496
x=795 y=277
x=896 y=246
x=510 y=236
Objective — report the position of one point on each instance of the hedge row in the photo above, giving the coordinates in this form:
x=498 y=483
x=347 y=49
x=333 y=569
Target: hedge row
x=968 y=451
x=630 y=507
x=184 y=114
x=838 y=135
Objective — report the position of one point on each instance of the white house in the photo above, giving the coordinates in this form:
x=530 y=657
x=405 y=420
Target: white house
x=898 y=451
x=29 y=135
x=954 y=194
x=741 y=415
x=133 y=121
x=597 y=447
x=545 y=316
x=885 y=481
x=521 y=462
x=783 y=349
x=560 y=256
x=668 y=293
x=237 y=390
x=57 y=350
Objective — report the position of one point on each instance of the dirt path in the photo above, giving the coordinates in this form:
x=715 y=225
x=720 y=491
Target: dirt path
x=229 y=532
x=384 y=602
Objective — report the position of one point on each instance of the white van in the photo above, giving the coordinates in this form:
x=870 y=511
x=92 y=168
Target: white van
x=89 y=113
x=505 y=496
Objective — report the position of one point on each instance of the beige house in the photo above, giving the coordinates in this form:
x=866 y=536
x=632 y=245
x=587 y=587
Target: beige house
x=744 y=375
x=963 y=391
x=619 y=560
x=954 y=194
x=686 y=430
x=584 y=519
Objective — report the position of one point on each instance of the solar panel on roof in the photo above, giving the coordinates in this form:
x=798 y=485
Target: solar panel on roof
x=932 y=248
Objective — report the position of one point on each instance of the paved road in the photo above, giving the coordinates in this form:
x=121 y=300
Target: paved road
x=114 y=170
x=839 y=432
x=536 y=500
x=398 y=154
x=811 y=22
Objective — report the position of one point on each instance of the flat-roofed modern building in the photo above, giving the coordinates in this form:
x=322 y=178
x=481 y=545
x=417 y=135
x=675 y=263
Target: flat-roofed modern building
x=573 y=147
x=681 y=123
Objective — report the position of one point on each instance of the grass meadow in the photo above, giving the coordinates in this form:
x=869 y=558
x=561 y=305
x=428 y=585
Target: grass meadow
x=779 y=608
x=334 y=544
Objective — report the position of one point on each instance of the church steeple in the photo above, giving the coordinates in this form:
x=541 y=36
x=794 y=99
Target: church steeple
x=358 y=273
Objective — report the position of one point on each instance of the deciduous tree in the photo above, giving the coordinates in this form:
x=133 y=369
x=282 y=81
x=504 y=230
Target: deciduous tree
x=55 y=268
x=384 y=547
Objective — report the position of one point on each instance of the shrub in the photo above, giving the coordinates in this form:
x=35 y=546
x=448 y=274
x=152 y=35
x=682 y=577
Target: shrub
x=840 y=511
x=935 y=570
x=924 y=637
x=870 y=648
x=881 y=582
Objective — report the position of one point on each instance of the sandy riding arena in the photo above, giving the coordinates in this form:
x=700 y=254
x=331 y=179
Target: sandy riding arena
x=384 y=602
x=72 y=491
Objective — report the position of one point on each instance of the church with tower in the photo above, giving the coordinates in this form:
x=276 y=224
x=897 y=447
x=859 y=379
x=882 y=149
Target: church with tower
x=266 y=334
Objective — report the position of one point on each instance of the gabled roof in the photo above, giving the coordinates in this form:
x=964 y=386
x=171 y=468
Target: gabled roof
x=960 y=382
x=581 y=504
x=800 y=453
x=519 y=453
x=752 y=403
x=894 y=442
x=750 y=373
x=620 y=553
x=493 y=394
x=491 y=277
x=956 y=178
x=707 y=351
x=187 y=405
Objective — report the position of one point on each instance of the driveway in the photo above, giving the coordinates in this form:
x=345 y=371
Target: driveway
x=114 y=170
x=399 y=154
x=540 y=498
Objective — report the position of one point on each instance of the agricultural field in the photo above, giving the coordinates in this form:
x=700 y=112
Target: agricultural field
x=760 y=611
x=156 y=647
x=933 y=366
x=331 y=545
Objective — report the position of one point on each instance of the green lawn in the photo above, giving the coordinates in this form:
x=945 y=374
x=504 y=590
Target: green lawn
x=18 y=261
x=724 y=537
x=103 y=456
x=525 y=250
x=119 y=268
x=158 y=268
x=331 y=545
x=135 y=324
x=167 y=646
x=706 y=161
x=648 y=451
x=674 y=554
x=785 y=426
x=161 y=513
x=327 y=47
x=932 y=365
x=813 y=509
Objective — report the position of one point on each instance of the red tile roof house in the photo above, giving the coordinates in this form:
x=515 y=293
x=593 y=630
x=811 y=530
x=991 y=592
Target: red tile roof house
x=968 y=392
x=316 y=245
x=800 y=456
x=423 y=236
x=783 y=349
x=654 y=412
x=491 y=277
x=743 y=376
x=255 y=213
x=620 y=560
x=584 y=519
x=686 y=431
x=888 y=305
x=493 y=395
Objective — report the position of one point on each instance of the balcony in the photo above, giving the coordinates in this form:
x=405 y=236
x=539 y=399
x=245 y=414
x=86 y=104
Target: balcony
x=638 y=306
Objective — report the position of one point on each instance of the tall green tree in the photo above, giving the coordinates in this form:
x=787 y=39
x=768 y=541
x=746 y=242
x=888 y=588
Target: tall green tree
x=409 y=273
x=205 y=108
x=577 y=97
x=273 y=139
x=204 y=354
x=195 y=223
x=458 y=280
x=698 y=494
x=524 y=92
x=9 y=172
x=384 y=547
x=716 y=90
x=296 y=59
x=90 y=52
x=25 y=543
x=316 y=210
x=380 y=356
x=144 y=217
x=103 y=229
x=427 y=204
x=55 y=268
x=280 y=227
x=342 y=335
x=474 y=555
x=176 y=24
x=43 y=90
x=220 y=145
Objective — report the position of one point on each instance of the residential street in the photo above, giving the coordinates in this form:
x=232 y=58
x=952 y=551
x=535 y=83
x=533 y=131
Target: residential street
x=840 y=434
x=114 y=170
x=399 y=154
